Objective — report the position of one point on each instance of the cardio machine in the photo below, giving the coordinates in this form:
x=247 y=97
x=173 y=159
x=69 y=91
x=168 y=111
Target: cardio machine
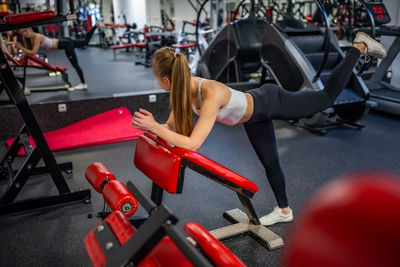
x=233 y=56
x=385 y=94
x=301 y=56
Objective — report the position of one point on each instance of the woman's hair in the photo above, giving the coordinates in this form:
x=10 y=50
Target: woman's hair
x=173 y=65
x=28 y=42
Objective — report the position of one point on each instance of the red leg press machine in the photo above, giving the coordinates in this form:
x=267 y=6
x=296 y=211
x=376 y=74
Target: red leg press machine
x=165 y=165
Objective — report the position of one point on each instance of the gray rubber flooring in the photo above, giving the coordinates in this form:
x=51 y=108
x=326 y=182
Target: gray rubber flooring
x=54 y=236
x=104 y=76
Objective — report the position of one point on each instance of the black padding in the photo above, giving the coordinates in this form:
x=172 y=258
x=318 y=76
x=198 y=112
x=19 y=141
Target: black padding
x=316 y=60
x=309 y=43
x=290 y=26
x=235 y=52
x=283 y=66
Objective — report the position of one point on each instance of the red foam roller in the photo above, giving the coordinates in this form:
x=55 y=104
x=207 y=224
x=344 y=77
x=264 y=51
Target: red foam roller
x=118 y=197
x=214 y=249
x=97 y=173
x=122 y=229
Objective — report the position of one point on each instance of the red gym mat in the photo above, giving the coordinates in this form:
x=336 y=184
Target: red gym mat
x=108 y=127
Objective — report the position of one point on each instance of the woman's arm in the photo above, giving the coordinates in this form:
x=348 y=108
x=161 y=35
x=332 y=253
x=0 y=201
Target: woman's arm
x=33 y=51
x=170 y=124
x=143 y=120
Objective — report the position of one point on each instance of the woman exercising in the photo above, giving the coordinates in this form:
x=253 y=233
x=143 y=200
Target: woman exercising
x=213 y=101
x=10 y=39
x=33 y=41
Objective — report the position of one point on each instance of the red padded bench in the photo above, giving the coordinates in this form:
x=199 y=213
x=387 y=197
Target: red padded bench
x=3 y=14
x=114 y=25
x=165 y=165
x=183 y=46
x=35 y=62
x=29 y=16
x=140 y=45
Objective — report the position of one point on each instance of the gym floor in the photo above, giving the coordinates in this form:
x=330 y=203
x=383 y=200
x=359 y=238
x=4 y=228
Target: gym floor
x=54 y=236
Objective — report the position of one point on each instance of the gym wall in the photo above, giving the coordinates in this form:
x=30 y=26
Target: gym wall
x=134 y=10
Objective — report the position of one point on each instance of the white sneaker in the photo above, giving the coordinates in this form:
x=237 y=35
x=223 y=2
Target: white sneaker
x=374 y=48
x=81 y=86
x=276 y=216
x=27 y=91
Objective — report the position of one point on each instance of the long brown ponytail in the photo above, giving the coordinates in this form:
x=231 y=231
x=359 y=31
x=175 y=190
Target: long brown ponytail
x=28 y=43
x=173 y=65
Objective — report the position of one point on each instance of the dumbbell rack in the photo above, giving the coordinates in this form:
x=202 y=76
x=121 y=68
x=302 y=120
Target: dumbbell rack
x=41 y=151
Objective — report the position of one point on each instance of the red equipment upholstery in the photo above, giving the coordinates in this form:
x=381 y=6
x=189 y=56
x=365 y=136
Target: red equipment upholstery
x=214 y=249
x=97 y=175
x=158 y=163
x=36 y=62
x=5 y=13
x=33 y=62
x=116 y=25
x=353 y=221
x=120 y=46
x=162 y=162
x=118 y=197
x=12 y=59
x=165 y=253
x=29 y=16
x=183 y=46
x=122 y=229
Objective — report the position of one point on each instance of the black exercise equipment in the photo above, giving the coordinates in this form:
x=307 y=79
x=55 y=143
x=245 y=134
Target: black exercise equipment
x=31 y=127
x=385 y=94
x=233 y=55
x=301 y=57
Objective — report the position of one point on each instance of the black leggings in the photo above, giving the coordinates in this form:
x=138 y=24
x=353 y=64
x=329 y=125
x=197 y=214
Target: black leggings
x=69 y=46
x=273 y=102
x=88 y=36
x=69 y=49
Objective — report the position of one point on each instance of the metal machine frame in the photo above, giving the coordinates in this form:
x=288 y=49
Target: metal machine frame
x=29 y=168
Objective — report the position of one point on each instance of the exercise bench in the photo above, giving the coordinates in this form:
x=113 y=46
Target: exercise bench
x=117 y=241
x=185 y=47
x=35 y=62
x=30 y=61
x=140 y=45
x=165 y=165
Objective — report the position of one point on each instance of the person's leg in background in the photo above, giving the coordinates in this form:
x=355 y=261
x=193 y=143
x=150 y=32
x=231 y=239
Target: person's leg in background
x=68 y=47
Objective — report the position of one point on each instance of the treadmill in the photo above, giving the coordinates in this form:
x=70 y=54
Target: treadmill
x=385 y=94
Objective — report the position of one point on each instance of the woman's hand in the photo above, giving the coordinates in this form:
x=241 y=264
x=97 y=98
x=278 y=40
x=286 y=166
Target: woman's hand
x=18 y=45
x=144 y=120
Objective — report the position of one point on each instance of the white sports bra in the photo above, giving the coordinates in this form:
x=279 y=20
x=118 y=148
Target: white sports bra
x=232 y=112
x=48 y=43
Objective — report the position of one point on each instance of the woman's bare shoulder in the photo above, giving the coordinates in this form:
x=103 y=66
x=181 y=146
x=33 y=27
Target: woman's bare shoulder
x=39 y=36
x=214 y=89
x=212 y=85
